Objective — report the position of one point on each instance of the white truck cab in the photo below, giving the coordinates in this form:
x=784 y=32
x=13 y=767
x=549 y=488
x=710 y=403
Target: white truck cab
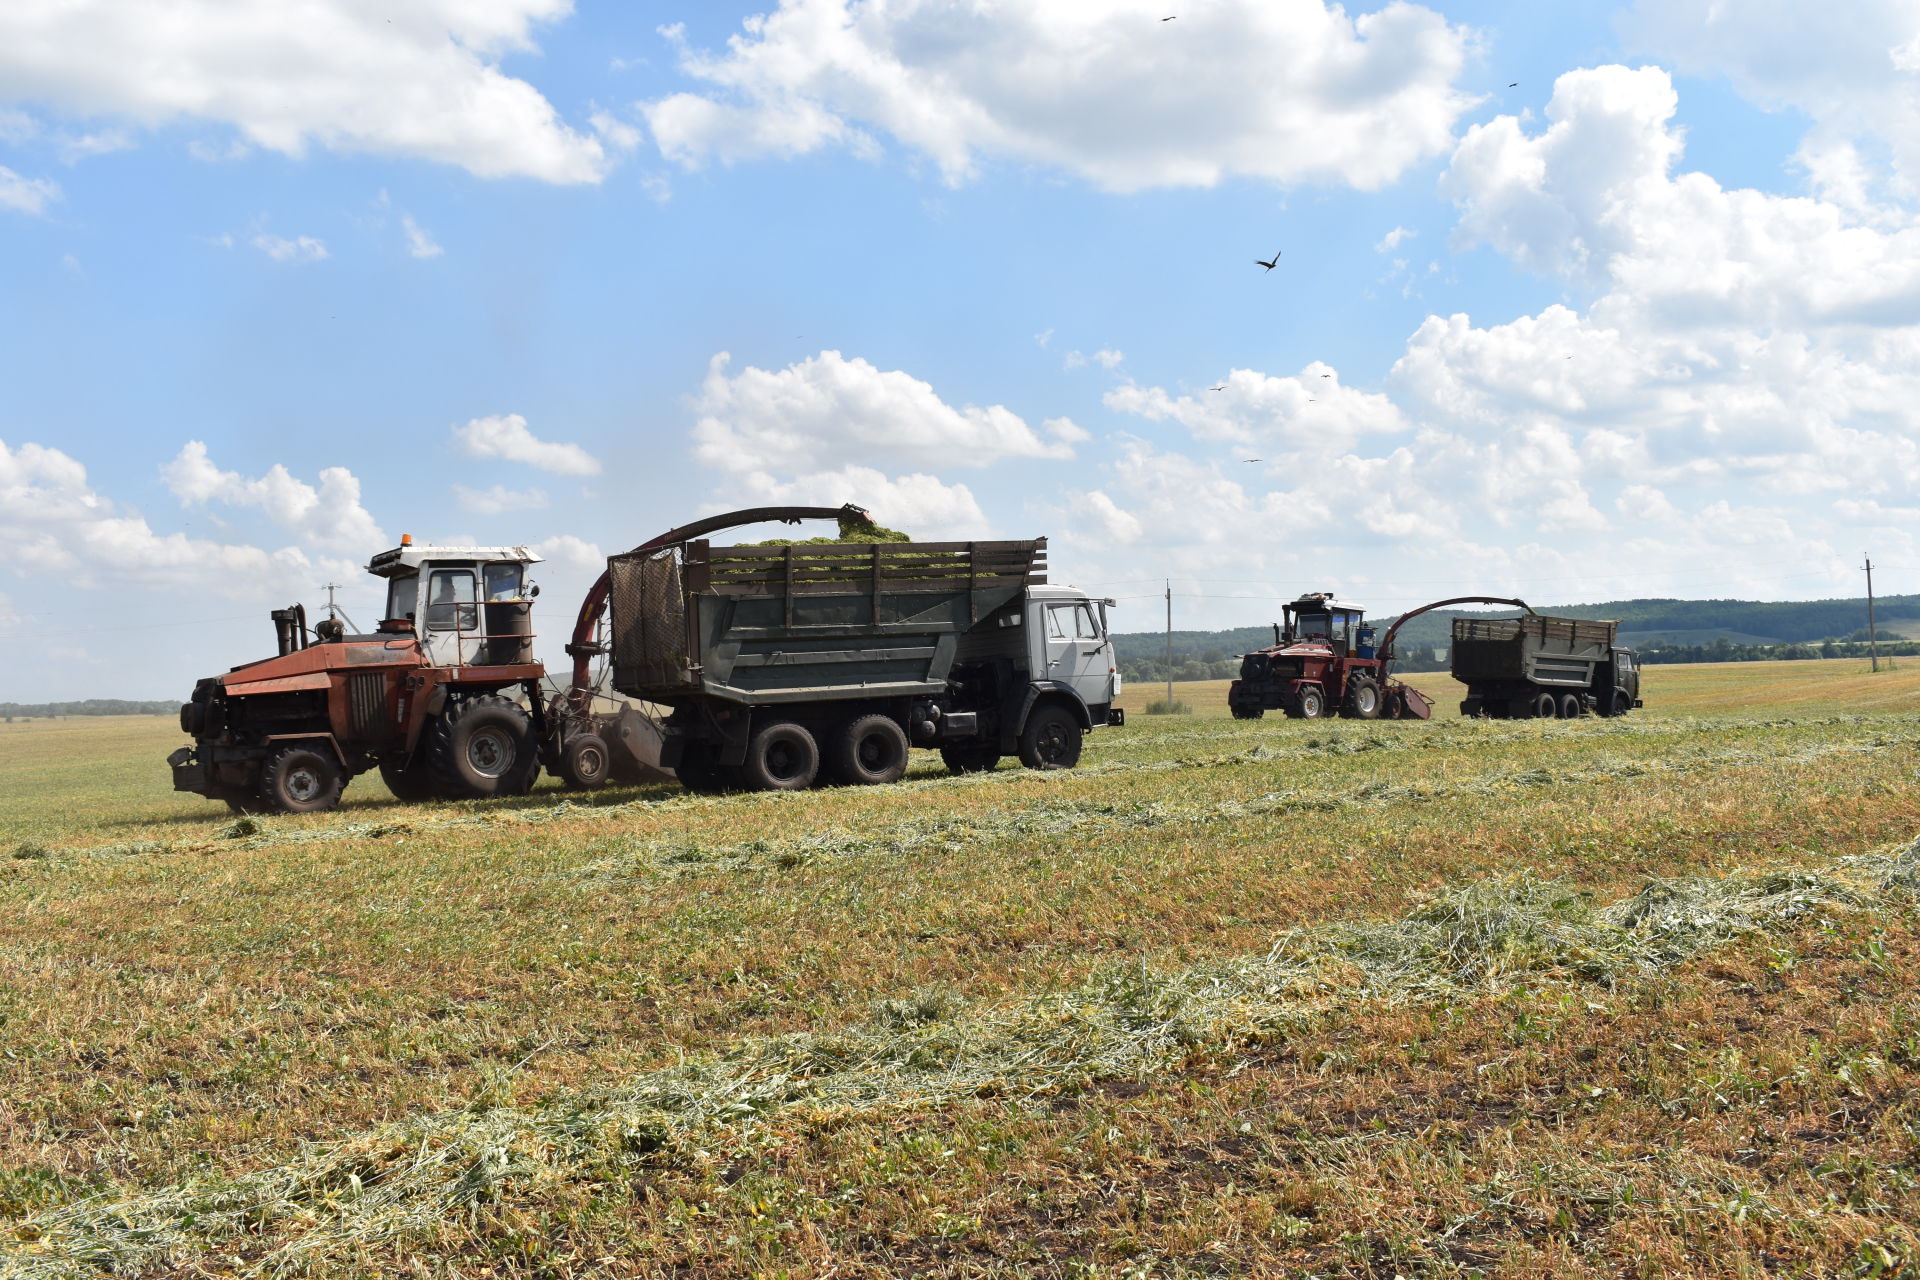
x=1067 y=643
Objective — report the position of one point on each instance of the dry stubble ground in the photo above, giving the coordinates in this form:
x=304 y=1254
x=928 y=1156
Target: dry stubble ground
x=989 y=1026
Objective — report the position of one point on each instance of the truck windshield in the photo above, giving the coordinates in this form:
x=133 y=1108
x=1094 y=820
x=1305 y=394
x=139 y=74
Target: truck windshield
x=402 y=590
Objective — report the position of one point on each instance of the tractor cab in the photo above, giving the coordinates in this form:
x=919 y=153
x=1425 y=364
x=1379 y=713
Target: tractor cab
x=1317 y=617
x=469 y=606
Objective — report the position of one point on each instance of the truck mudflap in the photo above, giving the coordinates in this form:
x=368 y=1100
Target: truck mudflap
x=188 y=773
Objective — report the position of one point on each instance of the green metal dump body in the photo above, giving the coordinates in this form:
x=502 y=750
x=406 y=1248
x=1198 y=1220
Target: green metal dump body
x=808 y=622
x=1541 y=650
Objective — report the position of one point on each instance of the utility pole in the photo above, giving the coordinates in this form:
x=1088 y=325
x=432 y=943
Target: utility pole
x=331 y=610
x=1169 y=646
x=1873 y=636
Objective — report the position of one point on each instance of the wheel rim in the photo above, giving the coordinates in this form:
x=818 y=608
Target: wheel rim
x=873 y=754
x=490 y=753
x=1368 y=700
x=592 y=763
x=303 y=784
x=783 y=761
x=1053 y=743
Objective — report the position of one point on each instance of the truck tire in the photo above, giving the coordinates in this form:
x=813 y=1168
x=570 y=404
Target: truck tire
x=781 y=756
x=301 y=779
x=482 y=747
x=970 y=759
x=1571 y=708
x=1363 y=699
x=1545 y=706
x=407 y=785
x=585 y=763
x=1470 y=707
x=1051 y=740
x=700 y=773
x=1617 y=703
x=870 y=751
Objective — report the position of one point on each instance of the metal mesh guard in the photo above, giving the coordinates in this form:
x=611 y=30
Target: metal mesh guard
x=649 y=621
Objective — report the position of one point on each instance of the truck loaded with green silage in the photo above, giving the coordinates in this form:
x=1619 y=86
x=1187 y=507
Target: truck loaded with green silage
x=1537 y=667
x=785 y=664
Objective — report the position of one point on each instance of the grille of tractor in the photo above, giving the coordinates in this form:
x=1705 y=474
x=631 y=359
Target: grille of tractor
x=649 y=621
x=367 y=704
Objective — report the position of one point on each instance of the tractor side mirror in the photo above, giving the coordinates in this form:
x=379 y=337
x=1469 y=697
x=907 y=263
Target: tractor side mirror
x=533 y=592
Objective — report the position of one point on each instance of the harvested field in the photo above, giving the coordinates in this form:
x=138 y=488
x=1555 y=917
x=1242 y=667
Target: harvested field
x=1522 y=998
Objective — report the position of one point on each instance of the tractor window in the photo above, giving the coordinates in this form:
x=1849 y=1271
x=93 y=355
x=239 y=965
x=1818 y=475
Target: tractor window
x=1313 y=624
x=403 y=591
x=503 y=581
x=450 y=603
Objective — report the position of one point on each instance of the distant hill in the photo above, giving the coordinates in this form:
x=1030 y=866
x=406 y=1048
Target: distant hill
x=88 y=707
x=1669 y=630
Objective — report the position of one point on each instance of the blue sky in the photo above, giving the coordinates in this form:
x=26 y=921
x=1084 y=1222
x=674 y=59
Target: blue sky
x=285 y=281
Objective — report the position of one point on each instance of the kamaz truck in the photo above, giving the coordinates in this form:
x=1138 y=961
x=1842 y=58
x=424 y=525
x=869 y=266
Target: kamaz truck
x=1538 y=667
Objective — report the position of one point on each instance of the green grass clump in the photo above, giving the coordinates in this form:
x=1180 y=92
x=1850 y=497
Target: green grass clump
x=1162 y=707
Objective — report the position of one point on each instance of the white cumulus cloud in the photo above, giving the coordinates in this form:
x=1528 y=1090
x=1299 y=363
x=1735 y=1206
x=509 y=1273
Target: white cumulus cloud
x=419 y=80
x=1292 y=92
x=827 y=409
x=919 y=504
x=505 y=436
x=298 y=249
x=420 y=241
x=327 y=515
x=26 y=195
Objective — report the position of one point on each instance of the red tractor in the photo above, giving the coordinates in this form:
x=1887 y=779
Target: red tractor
x=1324 y=661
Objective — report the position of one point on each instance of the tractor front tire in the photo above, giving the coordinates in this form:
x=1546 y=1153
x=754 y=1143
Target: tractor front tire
x=781 y=756
x=1309 y=703
x=301 y=779
x=409 y=785
x=1363 y=699
x=1051 y=740
x=585 y=763
x=870 y=751
x=482 y=747
x=1246 y=710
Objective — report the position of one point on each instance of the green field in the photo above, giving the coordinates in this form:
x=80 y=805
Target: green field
x=1462 y=998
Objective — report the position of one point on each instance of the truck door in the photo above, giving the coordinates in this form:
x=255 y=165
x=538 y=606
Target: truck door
x=452 y=636
x=1076 y=650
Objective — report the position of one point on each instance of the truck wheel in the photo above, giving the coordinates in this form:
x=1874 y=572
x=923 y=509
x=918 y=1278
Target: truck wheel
x=1570 y=706
x=970 y=759
x=301 y=779
x=1622 y=702
x=1545 y=706
x=871 y=750
x=482 y=747
x=408 y=785
x=585 y=762
x=703 y=775
x=781 y=756
x=1363 y=699
x=1311 y=701
x=1469 y=708
x=1051 y=739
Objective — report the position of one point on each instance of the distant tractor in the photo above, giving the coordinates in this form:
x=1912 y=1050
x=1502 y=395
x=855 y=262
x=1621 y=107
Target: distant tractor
x=1543 y=668
x=421 y=698
x=1323 y=661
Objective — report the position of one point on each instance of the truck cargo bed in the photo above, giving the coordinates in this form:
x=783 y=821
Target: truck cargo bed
x=805 y=622
x=1537 y=649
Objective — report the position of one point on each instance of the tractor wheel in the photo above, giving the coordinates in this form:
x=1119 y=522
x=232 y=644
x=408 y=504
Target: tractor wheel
x=701 y=774
x=970 y=759
x=781 y=756
x=1246 y=710
x=482 y=747
x=301 y=779
x=1363 y=699
x=1051 y=739
x=1545 y=706
x=585 y=762
x=243 y=801
x=1311 y=701
x=1470 y=707
x=871 y=750
x=1571 y=708
x=407 y=784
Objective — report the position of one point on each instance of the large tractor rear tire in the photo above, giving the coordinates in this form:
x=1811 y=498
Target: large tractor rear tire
x=1363 y=699
x=1051 y=740
x=409 y=785
x=299 y=778
x=870 y=751
x=585 y=762
x=482 y=747
x=781 y=756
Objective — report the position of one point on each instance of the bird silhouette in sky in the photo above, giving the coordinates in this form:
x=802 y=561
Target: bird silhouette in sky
x=1326 y=375
x=1169 y=19
x=1221 y=387
x=1250 y=459
x=1514 y=85
x=1258 y=262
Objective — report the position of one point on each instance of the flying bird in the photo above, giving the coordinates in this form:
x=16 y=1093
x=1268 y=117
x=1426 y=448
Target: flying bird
x=1221 y=387
x=1250 y=459
x=1326 y=375
x=1268 y=265
x=1514 y=85
x=1169 y=19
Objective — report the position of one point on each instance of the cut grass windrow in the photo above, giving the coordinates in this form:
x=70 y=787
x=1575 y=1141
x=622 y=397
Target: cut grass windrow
x=1130 y=1022
x=249 y=833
